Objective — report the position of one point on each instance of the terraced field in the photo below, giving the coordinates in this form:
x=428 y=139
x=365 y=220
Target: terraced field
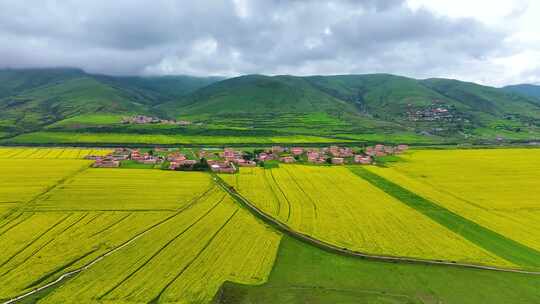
x=498 y=188
x=130 y=235
x=334 y=205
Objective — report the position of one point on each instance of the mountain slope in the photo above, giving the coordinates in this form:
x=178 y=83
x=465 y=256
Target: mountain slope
x=528 y=90
x=46 y=104
x=33 y=98
x=341 y=106
x=258 y=94
x=19 y=80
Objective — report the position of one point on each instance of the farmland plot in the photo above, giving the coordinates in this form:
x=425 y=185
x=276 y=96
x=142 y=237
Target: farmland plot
x=39 y=247
x=176 y=226
x=497 y=189
x=49 y=153
x=23 y=179
x=119 y=189
x=334 y=205
x=185 y=259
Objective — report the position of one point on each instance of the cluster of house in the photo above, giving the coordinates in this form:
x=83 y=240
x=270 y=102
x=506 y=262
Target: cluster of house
x=433 y=112
x=176 y=160
x=334 y=154
x=229 y=160
x=113 y=159
x=143 y=119
x=382 y=150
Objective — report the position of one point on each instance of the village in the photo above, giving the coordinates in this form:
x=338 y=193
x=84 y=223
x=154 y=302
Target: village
x=229 y=160
x=143 y=120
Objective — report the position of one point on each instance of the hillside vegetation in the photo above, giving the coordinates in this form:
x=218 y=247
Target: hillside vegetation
x=343 y=107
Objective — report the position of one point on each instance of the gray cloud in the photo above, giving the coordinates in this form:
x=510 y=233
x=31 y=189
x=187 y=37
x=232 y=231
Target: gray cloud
x=230 y=37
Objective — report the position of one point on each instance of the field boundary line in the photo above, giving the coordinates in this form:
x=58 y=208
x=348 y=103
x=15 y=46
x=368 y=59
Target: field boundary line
x=344 y=251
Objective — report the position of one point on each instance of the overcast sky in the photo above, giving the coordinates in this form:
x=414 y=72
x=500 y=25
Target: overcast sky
x=486 y=41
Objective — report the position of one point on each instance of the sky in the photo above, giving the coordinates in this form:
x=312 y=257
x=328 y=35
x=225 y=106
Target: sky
x=489 y=42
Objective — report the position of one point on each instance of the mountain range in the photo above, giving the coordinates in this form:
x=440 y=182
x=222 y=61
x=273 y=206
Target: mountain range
x=341 y=107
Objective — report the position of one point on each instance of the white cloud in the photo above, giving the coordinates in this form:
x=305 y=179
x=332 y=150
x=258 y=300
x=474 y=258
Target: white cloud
x=520 y=19
x=493 y=42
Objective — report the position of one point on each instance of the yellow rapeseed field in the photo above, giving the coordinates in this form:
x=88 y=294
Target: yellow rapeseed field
x=175 y=235
x=496 y=188
x=49 y=153
x=184 y=260
x=23 y=179
x=334 y=205
x=126 y=189
x=37 y=244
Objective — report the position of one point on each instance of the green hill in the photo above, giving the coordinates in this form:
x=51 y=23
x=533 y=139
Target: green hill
x=31 y=99
x=528 y=90
x=341 y=107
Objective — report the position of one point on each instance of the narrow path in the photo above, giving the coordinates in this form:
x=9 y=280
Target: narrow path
x=344 y=251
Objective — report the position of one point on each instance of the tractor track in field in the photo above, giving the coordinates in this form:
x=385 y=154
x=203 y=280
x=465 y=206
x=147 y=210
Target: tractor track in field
x=344 y=251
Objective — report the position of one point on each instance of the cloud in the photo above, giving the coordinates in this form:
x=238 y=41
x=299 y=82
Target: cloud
x=232 y=37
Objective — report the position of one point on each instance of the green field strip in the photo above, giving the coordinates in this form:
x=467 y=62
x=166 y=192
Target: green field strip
x=156 y=299
x=58 y=270
x=306 y=274
x=155 y=254
x=487 y=239
x=35 y=239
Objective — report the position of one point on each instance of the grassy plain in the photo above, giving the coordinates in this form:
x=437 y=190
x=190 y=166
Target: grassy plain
x=334 y=205
x=305 y=274
x=496 y=188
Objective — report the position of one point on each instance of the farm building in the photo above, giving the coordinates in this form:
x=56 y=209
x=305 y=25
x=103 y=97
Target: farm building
x=297 y=151
x=287 y=159
x=361 y=159
x=338 y=160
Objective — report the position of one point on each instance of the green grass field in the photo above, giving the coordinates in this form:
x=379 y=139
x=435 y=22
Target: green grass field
x=305 y=274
